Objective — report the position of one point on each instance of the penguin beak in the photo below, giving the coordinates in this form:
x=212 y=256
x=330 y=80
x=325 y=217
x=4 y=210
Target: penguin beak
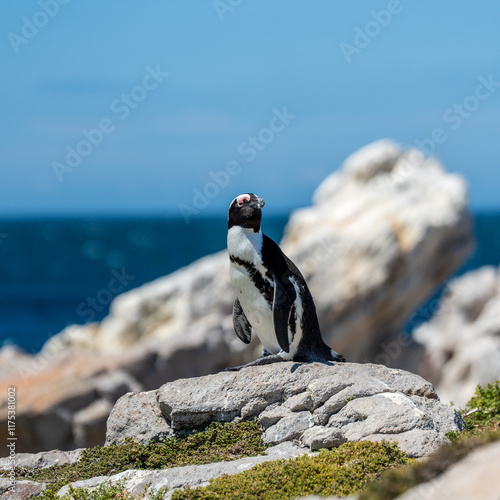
x=258 y=203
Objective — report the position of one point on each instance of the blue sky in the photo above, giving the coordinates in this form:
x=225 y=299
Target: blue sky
x=335 y=74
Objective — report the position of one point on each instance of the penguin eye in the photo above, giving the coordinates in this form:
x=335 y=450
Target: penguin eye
x=243 y=199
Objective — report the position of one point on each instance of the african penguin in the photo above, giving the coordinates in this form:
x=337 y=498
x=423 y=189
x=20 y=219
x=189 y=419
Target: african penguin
x=272 y=297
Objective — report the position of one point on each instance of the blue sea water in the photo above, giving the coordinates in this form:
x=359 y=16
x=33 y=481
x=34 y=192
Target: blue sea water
x=55 y=272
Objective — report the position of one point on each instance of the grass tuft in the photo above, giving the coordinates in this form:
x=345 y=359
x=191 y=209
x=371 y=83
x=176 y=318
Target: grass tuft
x=483 y=409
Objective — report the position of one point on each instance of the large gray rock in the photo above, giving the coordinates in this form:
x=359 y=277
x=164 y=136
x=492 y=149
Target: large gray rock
x=137 y=415
x=342 y=402
x=462 y=341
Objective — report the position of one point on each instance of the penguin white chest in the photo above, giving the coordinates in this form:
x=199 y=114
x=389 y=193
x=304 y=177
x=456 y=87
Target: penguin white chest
x=247 y=273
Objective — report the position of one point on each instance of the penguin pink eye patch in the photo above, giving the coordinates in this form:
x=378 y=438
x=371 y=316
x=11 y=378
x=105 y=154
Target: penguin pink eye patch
x=241 y=199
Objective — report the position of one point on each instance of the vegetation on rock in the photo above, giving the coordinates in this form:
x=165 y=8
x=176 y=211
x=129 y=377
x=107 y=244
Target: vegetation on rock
x=340 y=471
x=319 y=475
x=215 y=443
x=483 y=409
x=377 y=470
x=102 y=492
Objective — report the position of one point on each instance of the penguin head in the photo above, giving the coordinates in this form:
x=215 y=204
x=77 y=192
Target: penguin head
x=245 y=211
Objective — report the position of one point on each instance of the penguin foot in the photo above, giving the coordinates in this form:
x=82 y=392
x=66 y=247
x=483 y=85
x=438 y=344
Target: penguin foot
x=337 y=357
x=263 y=360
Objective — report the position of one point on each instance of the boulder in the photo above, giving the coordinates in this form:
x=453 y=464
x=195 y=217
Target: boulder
x=322 y=405
x=462 y=341
x=384 y=231
x=137 y=415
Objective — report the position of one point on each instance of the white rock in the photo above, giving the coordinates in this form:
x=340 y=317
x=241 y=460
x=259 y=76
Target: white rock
x=385 y=231
x=137 y=482
x=462 y=341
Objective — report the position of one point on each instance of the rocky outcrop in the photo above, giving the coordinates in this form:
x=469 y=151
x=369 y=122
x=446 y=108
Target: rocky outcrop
x=462 y=341
x=301 y=407
x=317 y=404
x=384 y=230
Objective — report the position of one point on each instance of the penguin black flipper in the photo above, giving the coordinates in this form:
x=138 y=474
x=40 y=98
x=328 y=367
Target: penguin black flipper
x=242 y=327
x=284 y=297
x=284 y=291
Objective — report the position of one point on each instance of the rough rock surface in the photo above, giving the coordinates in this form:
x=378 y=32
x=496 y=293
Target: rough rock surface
x=462 y=341
x=41 y=460
x=383 y=232
x=473 y=478
x=315 y=403
x=22 y=490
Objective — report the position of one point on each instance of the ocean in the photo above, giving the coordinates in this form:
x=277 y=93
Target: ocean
x=60 y=271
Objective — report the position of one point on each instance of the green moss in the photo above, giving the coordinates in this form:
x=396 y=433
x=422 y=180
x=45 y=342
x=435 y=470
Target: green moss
x=215 y=443
x=340 y=471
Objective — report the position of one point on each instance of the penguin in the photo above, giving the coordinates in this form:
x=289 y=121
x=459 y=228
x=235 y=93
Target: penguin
x=272 y=297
